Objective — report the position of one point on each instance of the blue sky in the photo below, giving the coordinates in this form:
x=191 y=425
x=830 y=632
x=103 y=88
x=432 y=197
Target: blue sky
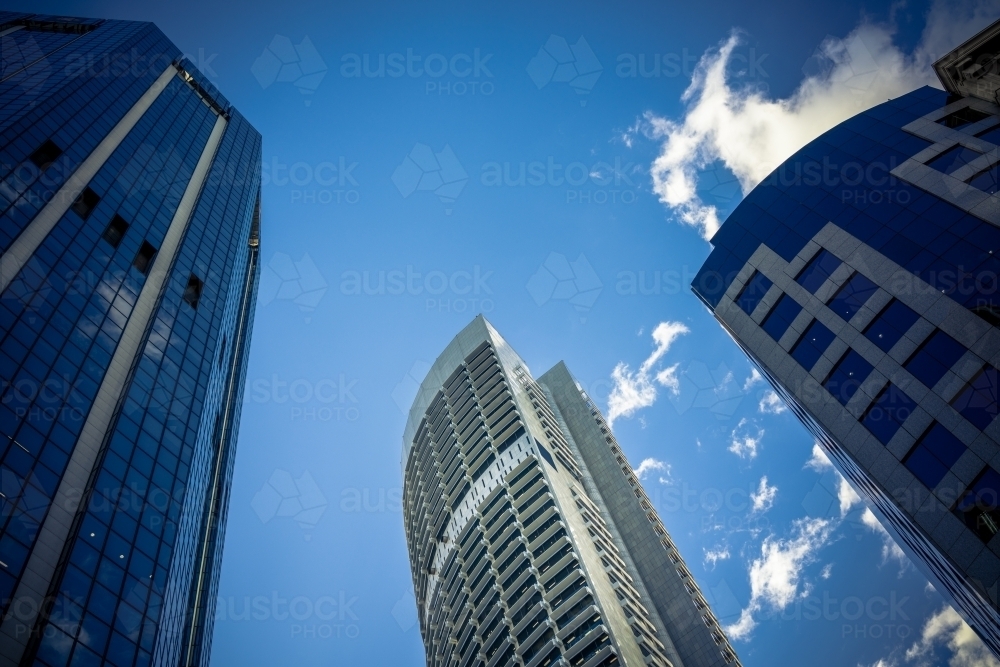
x=394 y=211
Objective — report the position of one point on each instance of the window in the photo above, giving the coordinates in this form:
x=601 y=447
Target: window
x=953 y=159
x=991 y=135
x=192 y=293
x=987 y=180
x=85 y=203
x=115 y=231
x=852 y=295
x=847 y=376
x=144 y=258
x=45 y=155
x=888 y=412
x=777 y=321
x=934 y=356
x=978 y=401
x=979 y=507
x=812 y=344
x=753 y=292
x=818 y=270
x=963 y=117
x=890 y=325
x=934 y=455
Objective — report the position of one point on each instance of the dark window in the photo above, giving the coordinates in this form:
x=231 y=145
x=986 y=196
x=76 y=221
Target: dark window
x=192 y=293
x=963 y=117
x=888 y=412
x=991 y=135
x=987 y=180
x=85 y=203
x=818 y=270
x=847 y=376
x=144 y=258
x=934 y=455
x=890 y=325
x=753 y=292
x=989 y=313
x=45 y=155
x=979 y=507
x=953 y=159
x=115 y=231
x=777 y=321
x=812 y=344
x=852 y=295
x=934 y=356
x=978 y=401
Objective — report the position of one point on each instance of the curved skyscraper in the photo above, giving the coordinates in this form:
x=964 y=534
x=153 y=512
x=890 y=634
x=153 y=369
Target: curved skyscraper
x=531 y=540
x=861 y=277
x=129 y=238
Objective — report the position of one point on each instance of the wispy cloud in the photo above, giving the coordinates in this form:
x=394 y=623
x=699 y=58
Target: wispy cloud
x=890 y=550
x=819 y=462
x=776 y=576
x=713 y=556
x=753 y=379
x=634 y=390
x=751 y=133
x=771 y=403
x=744 y=439
x=946 y=628
x=763 y=499
x=649 y=465
x=846 y=496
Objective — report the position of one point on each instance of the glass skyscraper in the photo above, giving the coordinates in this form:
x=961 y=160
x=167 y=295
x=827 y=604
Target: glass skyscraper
x=861 y=277
x=129 y=227
x=531 y=540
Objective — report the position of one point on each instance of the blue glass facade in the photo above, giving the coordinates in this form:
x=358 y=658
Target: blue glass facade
x=129 y=227
x=871 y=262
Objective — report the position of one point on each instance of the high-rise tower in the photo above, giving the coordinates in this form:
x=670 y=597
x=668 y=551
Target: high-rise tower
x=531 y=540
x=861 y=277
x=129 y=227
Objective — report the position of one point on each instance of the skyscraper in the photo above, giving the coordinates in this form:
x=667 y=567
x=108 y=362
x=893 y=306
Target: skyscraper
x=129 y=227
x=531 y=540
x=861 y=278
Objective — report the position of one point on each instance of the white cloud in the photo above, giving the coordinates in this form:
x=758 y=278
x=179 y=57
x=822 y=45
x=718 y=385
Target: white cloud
x=882 y=663
x=763 y=499
x=890 y=550
x=713 y=556
x=771 y=403
x=827 y=571
x=946 y=628
x=754 y=379
x=750 y=133
x=742 y=442
x=846 y=496
x=776 y=577
x=819 y=461
x=632 y=391
x=648 y=465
